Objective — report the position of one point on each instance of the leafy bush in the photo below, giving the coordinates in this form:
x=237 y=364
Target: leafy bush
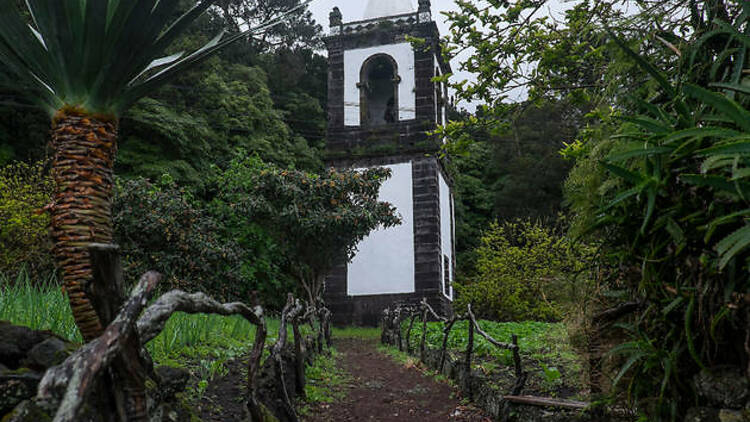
x=672 y=208
x=25 y=189
x=161 y=227
x=316 y=219
x=525 y=271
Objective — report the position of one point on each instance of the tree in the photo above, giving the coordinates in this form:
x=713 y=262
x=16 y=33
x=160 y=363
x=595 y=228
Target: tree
x=516 y=173
x=317 y=220
x=299 y=30
x=86 y=63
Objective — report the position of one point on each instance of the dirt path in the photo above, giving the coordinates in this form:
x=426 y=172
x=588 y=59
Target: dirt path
x=384 y=391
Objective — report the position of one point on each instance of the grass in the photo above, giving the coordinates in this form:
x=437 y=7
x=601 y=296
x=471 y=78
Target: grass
x=538 y=340
x=362 y=333
x=545 y=349
x=186 y=337
x=41 y=307
x=325 y=381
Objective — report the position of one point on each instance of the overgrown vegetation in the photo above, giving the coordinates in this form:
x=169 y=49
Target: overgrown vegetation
x=675 y=217
x=526 y=271
x=555 y=368
x=658 y=93
x=25 y=189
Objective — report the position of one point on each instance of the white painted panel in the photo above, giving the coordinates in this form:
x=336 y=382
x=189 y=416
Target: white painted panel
x=383 y=8
x=384 y=263
x=446 y=231
x=403 y=54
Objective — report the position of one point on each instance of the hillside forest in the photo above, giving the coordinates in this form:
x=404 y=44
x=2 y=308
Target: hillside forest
x=600 y=160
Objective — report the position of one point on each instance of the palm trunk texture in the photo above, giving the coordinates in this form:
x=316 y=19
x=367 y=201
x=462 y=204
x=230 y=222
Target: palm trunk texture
x=84 y=151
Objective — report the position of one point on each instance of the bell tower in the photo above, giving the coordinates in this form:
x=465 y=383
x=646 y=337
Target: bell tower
x=383 y=103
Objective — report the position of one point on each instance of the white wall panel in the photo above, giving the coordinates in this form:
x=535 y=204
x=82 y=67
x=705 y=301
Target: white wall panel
x=446 y=230
x=384 y=263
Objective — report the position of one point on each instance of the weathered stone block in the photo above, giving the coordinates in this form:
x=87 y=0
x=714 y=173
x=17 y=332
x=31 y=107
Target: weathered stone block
x=15 y=387
x=723 y=387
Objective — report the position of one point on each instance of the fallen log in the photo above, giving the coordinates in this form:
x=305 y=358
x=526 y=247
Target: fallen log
x=548 y=402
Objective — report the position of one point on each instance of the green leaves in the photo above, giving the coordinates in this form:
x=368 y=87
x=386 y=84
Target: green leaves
x=721 y=104
x=72 y=56
x=315 y=219
x=729 y=247
x=674 y=208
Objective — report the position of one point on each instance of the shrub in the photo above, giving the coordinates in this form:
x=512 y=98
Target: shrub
x=672 y=210
x=317 y=219
x=525 y=271
x=25 y=189
x=161 y=227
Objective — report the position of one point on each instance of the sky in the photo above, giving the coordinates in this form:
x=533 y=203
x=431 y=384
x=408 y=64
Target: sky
x=352 y=10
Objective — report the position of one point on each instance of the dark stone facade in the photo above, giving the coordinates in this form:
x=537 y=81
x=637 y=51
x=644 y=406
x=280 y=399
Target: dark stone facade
x=400 y=142
x=404 y=136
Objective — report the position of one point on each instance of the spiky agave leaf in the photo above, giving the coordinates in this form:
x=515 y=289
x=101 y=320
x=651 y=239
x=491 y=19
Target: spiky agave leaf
x=101 y=55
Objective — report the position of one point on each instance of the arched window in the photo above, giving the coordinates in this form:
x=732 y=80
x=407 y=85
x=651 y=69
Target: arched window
x=379 y=91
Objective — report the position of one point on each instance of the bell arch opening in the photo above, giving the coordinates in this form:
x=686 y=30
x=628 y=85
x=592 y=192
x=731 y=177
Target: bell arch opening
x=378 y=85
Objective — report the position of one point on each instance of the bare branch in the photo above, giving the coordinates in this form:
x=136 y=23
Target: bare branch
x=432 y=311
x=501 y=345
x=156 y=316
x=73 y=379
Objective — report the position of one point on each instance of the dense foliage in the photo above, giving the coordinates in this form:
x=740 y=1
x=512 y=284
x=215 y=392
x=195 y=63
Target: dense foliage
x=675 y=216
x=525 y=271
x=160 y=227
x=510 y=174
x=25 y=191
x=658 y=90
x=316 y=219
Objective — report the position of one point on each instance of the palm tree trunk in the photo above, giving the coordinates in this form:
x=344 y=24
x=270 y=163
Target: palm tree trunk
x=84 y=151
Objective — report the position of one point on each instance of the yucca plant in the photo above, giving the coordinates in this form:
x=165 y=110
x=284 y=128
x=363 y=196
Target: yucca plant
x=85 y=62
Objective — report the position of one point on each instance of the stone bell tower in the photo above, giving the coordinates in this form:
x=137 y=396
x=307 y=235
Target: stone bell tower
x=382 y=105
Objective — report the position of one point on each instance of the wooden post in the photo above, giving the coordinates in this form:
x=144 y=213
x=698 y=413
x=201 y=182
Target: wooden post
x=521 y=376
x=408 y=332
x=327 y=331
x=424 y=336
x=467 y=364
x=127 y=381
x=397 y=321
x=446 y=333
x=71 y=382
x=300 y=356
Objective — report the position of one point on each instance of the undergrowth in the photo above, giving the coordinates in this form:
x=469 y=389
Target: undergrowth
x=325 y=382
x=554 y=367
x=186 y=338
